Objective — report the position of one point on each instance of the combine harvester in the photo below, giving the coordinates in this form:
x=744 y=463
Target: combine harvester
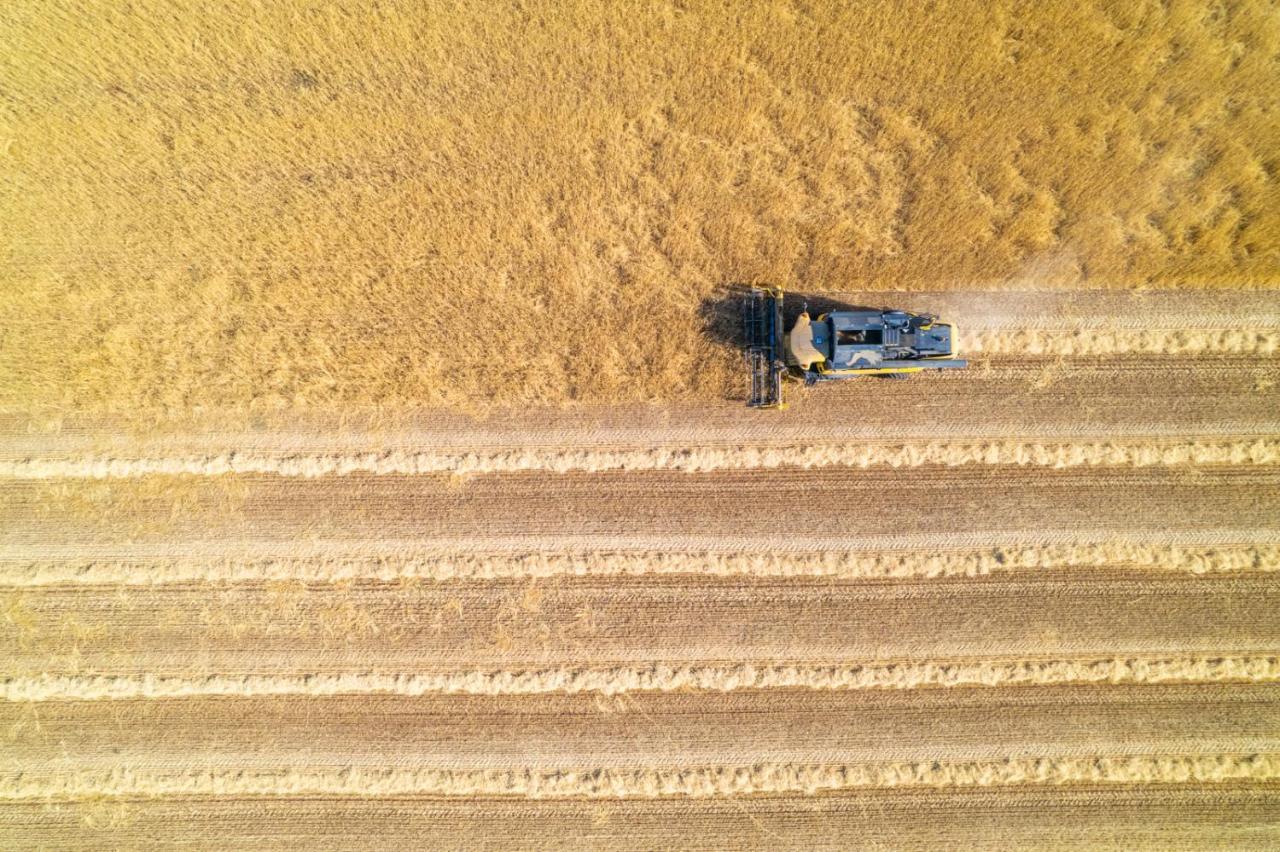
x=838 y=345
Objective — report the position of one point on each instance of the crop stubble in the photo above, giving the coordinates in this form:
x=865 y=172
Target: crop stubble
x=618 y=634
x=259 y=586
x=1006 y=596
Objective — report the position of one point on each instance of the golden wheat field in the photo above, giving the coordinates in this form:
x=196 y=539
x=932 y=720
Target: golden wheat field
x=375 y=469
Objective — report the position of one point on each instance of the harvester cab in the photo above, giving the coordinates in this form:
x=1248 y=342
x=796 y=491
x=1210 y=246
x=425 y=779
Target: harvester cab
x=838 y=345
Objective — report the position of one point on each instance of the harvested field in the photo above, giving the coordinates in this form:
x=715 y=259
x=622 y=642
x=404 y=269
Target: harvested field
x=1011 y=613
x=374 y=468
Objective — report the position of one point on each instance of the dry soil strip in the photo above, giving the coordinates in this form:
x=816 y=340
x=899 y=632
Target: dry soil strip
x=647 y=783
x=840 y=565
x=1168 y=816
x=1057 y=455
x=659 y=677
x=648 y=729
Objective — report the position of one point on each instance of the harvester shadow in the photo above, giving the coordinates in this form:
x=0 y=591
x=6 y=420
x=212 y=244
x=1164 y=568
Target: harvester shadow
x=723 y=317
